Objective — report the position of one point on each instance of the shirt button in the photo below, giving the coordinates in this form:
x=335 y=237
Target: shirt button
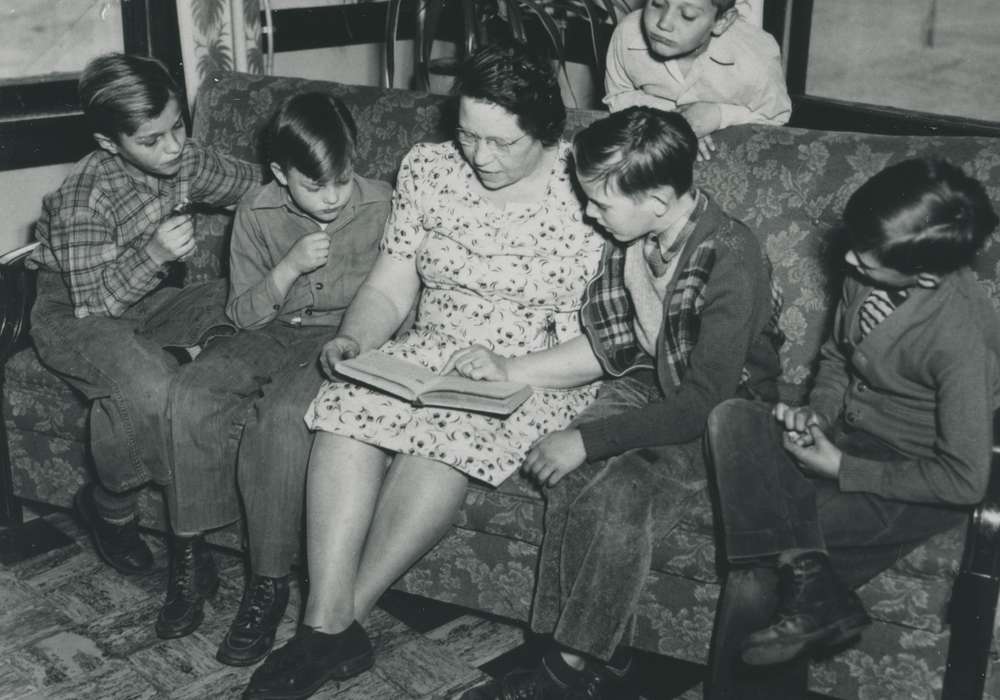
x=862 y=387
x=276 y=307
x=319 y=285
x=852 y=417
x=309 y=312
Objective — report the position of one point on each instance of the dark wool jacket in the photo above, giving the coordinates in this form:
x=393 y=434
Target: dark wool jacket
x=719 y=337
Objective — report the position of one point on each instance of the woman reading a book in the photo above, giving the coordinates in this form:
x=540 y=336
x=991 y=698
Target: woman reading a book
x=489 y=234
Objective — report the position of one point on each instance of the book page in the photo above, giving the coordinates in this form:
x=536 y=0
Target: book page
x=398 y=377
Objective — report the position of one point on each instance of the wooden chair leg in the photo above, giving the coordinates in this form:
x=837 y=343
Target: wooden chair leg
x=973 y=608
x=747 y=601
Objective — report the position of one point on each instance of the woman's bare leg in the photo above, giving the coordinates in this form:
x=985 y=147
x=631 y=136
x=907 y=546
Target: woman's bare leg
x=342 y=490
x=417 y=505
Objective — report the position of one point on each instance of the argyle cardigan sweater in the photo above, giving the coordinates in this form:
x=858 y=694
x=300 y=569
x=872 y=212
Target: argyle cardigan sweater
x=719 y=336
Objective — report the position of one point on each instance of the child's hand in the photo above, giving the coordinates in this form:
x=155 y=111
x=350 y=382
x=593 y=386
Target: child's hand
x=820 y=457
x=796 y=421
x=478 y=362
x=706 y=147
x=704 y=118
x=309 y=252
x=554 y=456
x=172 y=240
x=342 y=347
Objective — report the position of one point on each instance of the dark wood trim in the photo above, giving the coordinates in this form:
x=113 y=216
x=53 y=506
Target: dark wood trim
x=301 y=29
x=839 y=115
x=796 y=49
x=47 y=140
x=52 y=94
x=40 y=122
x=346 y=25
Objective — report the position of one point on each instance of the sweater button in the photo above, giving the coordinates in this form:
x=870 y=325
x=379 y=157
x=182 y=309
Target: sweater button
x=852 y=417
x=319 y=285
x=862 y=387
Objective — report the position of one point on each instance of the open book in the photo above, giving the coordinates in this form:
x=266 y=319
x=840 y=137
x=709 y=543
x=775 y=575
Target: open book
x=421 y=387
x=12 y=256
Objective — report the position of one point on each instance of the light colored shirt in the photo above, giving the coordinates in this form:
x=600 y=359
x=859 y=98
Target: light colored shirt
x=740 y=70
x=268 y=224
x=648 y=284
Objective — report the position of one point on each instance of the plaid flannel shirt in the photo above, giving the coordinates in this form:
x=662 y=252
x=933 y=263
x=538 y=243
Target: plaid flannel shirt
x=608 y=314
x=95 y=227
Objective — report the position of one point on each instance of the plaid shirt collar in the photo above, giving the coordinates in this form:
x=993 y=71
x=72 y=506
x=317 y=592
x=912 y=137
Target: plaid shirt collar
x=671 y=241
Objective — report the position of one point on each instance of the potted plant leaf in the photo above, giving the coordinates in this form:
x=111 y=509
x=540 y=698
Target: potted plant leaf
x=482 y=21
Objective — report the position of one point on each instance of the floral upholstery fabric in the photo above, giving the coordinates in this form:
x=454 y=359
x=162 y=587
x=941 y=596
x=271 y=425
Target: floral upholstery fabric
x=788 y=186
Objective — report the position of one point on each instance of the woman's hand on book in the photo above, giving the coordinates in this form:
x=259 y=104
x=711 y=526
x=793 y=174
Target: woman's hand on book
x=478 y=362
x=343 y=347
x=554 y=456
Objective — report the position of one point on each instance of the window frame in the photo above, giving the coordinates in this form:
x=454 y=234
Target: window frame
x=790 y=21
x=41 y=122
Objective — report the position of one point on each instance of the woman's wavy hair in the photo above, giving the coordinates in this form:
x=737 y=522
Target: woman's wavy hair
x=920 y=215
x=509 y=75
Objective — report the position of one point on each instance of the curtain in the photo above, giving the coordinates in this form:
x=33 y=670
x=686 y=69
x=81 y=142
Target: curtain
x=218 y=35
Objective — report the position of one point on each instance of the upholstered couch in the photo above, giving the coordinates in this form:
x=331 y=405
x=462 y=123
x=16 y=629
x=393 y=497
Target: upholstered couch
x=788 y=185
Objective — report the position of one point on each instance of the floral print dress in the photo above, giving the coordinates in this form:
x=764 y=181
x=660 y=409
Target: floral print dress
x=510 y=278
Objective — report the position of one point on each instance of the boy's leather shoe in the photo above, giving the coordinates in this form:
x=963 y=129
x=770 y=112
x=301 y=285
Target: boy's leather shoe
x=308 y=660
x=120 y=546
x=193 y=578
x=251 y=634
x=815 y=610
x=542 y=684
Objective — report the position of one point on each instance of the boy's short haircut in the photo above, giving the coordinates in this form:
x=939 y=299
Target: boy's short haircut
x=723 y=6
x=513 y=76
x=119 y=92
x=637 y=150
x=314 y=133
x=920 y=215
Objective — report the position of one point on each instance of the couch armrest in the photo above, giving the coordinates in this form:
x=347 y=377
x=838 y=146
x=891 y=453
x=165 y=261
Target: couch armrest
x=17 y=293
x=974 y=597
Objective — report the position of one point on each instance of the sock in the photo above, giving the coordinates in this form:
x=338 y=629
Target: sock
x=559 y=669
x=114 y=508
x=790 y=555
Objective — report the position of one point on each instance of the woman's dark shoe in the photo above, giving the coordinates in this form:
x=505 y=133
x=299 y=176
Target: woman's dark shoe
x=193 y=578
x=251 y=634
x=543 y=683
x=815 y=610
x=308 y=660
x=120 y=546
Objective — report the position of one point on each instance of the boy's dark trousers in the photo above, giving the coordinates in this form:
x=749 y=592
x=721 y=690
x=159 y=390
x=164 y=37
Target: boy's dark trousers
x=126 y=378
x=247 y=395
x=601 y=522
x=768 y=505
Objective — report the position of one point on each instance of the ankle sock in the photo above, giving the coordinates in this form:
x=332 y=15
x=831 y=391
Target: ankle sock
x=559 y=669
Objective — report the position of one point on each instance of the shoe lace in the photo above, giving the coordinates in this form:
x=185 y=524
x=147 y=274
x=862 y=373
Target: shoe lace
x=256 y=601
x=184 y=571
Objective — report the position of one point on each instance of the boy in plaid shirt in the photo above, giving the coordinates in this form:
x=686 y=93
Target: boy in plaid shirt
x=109 y=237
x=681 y=316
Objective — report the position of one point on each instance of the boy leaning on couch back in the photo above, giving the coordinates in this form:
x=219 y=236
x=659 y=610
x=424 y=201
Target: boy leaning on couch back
x=698 y=57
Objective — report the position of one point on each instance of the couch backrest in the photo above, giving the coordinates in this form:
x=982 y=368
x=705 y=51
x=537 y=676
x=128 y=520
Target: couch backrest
x=788 y=185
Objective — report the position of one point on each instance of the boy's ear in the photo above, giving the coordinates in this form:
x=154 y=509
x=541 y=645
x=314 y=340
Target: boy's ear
x=105 y=143
x=725 y=22
x=664 y=199
x=279 y=173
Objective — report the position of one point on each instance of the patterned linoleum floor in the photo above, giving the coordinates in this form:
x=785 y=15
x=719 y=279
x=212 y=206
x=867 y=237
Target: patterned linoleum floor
x=71 y=628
